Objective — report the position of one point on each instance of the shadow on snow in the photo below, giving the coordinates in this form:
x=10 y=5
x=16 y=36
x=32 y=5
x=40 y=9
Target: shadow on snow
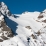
x=11 y=24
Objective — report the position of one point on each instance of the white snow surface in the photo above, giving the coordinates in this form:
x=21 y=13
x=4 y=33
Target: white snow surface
x=24 y=20
x=31 y=30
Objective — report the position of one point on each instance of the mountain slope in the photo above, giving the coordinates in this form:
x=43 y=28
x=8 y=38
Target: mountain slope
x=5 y=31
x=4 y=9
x=31 y=29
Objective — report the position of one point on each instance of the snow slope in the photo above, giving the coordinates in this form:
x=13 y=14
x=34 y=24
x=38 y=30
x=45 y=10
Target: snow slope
x=31 y=29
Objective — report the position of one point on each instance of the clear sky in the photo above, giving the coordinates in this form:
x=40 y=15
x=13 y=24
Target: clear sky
x=20 y=6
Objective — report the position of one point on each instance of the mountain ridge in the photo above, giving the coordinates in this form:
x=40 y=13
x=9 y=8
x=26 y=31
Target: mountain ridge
x=31 y=28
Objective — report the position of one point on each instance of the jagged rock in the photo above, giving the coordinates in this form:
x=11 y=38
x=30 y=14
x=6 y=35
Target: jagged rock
x=4 y=38
x=38 y=33
x=11 y=35
x=4 y=9
x=44 y=21
x=28 y=27
x=40 y=16
x=1 y=40
x=5 y=31
x=34 y=36
x=3 y=23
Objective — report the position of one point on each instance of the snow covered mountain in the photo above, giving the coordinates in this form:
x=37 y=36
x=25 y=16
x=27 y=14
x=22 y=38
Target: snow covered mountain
x=5 y=31
x=4 y=9
x=31 y=29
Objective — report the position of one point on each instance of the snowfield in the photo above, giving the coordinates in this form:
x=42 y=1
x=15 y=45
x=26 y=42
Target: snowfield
x=31 y=28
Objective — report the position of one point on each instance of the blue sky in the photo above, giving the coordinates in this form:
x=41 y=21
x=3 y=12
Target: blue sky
x=20 y=6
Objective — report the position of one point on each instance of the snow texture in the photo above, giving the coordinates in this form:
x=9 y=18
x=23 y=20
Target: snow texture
x=31 y=29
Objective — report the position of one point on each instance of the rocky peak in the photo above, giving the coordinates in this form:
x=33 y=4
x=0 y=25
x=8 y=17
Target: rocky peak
x=42 y=14
x=4 y=9
x=5 y=31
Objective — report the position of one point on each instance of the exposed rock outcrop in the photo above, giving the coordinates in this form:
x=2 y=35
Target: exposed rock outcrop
x=5 y=31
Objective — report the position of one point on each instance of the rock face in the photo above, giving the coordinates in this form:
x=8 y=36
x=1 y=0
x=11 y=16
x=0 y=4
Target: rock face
x=28 y=27
x=4 y=9
x=5 y=31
